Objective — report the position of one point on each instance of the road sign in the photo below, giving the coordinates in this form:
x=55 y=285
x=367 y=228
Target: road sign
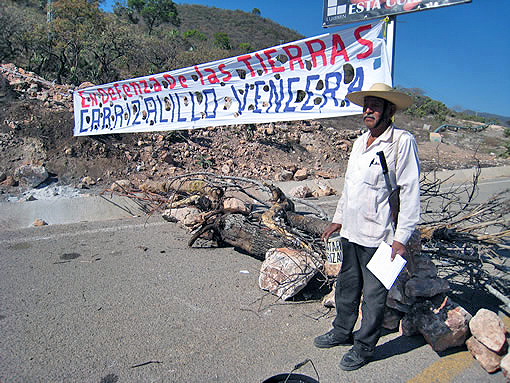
x=338 y=12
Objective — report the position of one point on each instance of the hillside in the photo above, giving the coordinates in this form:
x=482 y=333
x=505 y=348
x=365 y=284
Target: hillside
x=84 y=43
x=241 y=27
x=36 y=112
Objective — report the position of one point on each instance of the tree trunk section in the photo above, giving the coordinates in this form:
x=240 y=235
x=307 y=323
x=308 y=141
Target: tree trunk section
x=238 y=231
x=311 y=225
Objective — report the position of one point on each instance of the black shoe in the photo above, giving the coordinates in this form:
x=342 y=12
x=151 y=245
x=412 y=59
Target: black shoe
x=331 y=339
x=353 y=360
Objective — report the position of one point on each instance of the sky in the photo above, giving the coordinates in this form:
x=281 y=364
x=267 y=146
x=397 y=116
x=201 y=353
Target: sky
x=459 y=55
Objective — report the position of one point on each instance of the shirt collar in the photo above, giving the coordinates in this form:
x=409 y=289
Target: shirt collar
x=387 y=136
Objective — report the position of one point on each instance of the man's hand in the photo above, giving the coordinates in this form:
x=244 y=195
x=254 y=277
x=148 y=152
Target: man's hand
x=399 y=248
x=332 y=228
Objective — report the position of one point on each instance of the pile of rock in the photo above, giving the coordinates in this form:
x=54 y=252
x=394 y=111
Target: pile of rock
x=419 y=304
x=317 y=188
x=488 y=343
x=29 y=85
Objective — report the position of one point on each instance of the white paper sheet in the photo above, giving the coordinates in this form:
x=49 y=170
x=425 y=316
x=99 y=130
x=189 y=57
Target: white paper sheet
x=383 y=267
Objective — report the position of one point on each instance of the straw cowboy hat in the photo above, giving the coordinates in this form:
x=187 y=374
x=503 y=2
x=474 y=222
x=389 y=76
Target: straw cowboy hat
x=386 y=92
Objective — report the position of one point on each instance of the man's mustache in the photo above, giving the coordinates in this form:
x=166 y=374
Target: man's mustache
x=370 y=115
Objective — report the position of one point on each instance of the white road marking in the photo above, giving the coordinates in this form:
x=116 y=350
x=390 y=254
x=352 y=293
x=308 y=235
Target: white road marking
x=80 y=233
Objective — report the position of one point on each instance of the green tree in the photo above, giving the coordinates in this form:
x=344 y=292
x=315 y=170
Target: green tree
x=9 y=32
x=195 y=34
x=75 y=23
x=107 y=53
x=255 y=11
x=245 y=47
x=154 y=12
x=222 y=40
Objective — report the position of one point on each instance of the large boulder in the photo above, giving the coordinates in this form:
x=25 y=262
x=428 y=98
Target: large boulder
x=425 y=268
x=488 y=359
x=31 y=175
x=391 y=318
x=426 y=287
x=443 y=325
x=189 y=216
x=285 y=271
x=488 y=329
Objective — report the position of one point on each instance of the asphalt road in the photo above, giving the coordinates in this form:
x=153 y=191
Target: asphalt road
x=128 y=301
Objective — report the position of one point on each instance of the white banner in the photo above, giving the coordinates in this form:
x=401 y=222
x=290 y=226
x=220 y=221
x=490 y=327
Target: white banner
x=306 y=79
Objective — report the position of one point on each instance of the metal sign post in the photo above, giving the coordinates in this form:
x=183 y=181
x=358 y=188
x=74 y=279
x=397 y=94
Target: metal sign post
x=391 y=32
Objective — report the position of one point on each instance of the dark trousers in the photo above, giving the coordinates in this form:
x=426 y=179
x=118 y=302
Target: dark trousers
x=353 y=279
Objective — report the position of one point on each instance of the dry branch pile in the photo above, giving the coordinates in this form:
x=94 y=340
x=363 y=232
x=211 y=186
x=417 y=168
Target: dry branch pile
x=467 y=239
x=247 y=214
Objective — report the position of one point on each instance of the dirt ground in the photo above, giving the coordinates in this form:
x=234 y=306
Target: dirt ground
x=36 y=127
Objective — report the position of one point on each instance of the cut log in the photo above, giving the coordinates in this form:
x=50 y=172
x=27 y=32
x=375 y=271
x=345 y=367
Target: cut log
x=238 y=231
x=307 y=223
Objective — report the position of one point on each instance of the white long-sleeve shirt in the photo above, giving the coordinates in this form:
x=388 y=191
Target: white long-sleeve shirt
x=363 y=208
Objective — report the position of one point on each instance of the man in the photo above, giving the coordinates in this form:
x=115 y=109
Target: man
x=364 y=220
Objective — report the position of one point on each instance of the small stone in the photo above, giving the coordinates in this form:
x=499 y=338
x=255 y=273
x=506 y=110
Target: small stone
x=307 y=139
x=39 y=222
x=322 y=189
x=88 y=181
x=233 y=204
x=285 y=175
x=488 y=359
x=488 y=329
x=301 y=174
x=225 y=169
x=329 y=299
x=43 y=96
x=291 y=168
x=121 y=185
x=301 y=191
x=188 y=216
